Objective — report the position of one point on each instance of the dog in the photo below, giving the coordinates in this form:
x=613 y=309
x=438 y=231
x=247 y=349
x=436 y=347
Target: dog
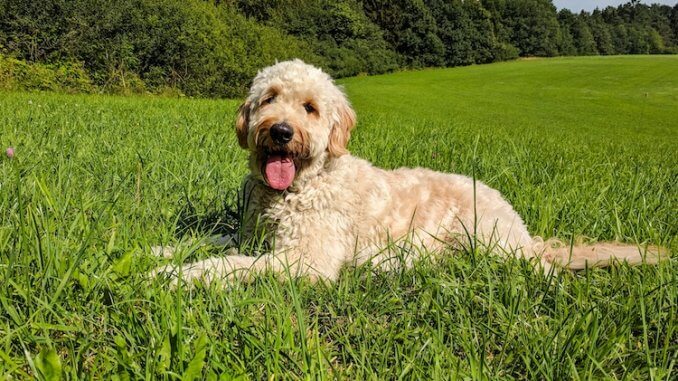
x=322 y=208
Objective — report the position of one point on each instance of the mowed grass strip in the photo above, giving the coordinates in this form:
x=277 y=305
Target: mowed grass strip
x=580 y=146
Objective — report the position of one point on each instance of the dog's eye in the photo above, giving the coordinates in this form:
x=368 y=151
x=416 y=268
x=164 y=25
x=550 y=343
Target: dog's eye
x=269 y=100
x=309 y=108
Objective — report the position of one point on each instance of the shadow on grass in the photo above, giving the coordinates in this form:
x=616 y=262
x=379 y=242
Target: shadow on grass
x=220 y=218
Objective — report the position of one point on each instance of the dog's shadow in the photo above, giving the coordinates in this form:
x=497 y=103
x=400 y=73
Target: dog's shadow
x=219 y=219
x=222 y=218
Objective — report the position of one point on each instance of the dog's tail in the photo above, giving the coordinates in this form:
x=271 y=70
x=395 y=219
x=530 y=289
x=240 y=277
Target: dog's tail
x=556 y=253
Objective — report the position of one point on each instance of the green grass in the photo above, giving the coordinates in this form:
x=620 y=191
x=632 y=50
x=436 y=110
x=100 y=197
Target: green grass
x=580 y=146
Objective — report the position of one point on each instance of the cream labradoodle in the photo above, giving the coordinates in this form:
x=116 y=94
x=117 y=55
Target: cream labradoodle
x=322 y=208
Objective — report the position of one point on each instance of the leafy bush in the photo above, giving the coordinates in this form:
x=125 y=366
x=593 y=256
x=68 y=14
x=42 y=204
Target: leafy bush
x=339 y=31
x=67 y=77
x=138 y=45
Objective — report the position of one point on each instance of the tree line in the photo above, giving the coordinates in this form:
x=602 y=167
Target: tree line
x=213 y=48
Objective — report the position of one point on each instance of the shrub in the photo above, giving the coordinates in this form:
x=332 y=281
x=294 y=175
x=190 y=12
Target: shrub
x=70 y=77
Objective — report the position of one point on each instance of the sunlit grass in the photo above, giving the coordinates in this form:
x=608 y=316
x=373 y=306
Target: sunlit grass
x=580 y=146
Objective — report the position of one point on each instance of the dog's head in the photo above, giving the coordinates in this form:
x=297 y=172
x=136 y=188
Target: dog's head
x=293 y=116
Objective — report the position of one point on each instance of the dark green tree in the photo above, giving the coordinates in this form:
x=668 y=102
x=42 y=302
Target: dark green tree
x=455 y=29
x=583 y=38
x=410 y=28
x=339 y=31
x=567 y=19
x=601 y=33
x=533 y=26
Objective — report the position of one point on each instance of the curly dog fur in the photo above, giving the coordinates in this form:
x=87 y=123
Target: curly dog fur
x=323 y=208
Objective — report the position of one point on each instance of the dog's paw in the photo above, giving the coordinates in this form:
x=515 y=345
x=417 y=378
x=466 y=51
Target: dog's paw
x=168 y=272
x=203 y=272
x=163 y=251
x=175 y=274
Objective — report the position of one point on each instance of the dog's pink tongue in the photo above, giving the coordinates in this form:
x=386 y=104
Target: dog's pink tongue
x=279 y=172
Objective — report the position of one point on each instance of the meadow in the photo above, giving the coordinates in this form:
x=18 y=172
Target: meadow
x=582 y=147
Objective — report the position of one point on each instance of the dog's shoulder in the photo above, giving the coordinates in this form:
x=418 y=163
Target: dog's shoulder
x=348 y=163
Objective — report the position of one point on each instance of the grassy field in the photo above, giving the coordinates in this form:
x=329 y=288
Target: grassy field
x=580 y=146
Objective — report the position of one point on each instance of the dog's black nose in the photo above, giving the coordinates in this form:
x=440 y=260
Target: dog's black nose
x=281 y=133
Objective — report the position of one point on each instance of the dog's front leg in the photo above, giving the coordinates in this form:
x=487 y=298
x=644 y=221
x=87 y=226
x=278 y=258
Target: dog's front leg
x=239 y=268
x=319 y=258
x=226 y=268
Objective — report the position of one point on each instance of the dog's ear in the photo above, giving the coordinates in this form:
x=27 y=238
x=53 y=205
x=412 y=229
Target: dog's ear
x=341 y=130
x=241 y=123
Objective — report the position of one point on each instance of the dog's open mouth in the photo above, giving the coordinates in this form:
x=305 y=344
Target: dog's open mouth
x=279 y=170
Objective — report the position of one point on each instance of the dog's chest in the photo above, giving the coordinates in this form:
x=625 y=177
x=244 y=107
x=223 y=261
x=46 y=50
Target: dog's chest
x=294 y=207
x=297 y=213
